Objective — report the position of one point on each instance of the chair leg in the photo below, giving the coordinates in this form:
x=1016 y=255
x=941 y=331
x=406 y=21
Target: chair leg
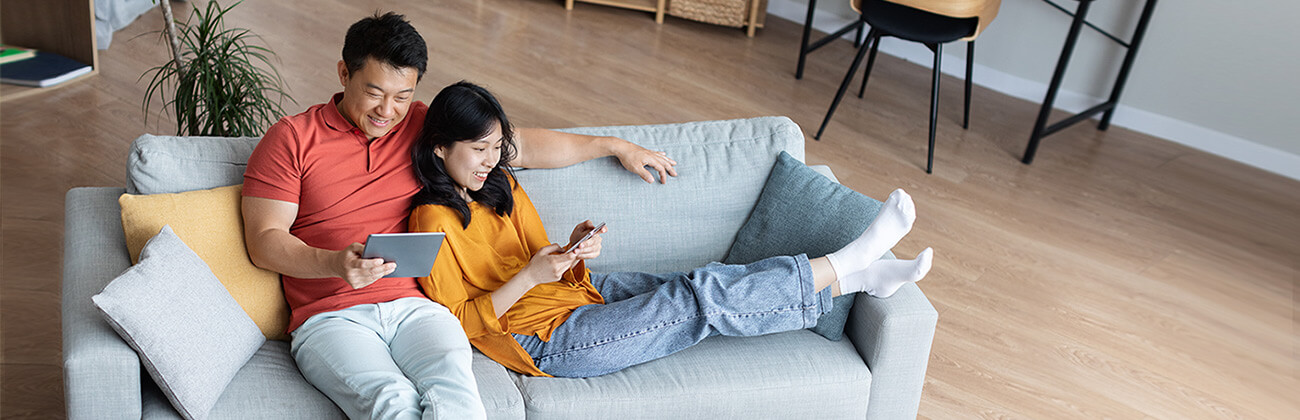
x=934 y=105
x=857 y=60
x=970 y=65
x=871 y=59
x=857 y=38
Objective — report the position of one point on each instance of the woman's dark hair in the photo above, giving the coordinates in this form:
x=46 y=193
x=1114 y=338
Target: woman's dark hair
x=388 y=38
x=463 y=112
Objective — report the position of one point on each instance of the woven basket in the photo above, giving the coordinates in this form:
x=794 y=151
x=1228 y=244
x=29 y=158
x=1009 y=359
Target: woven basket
x=733 y=13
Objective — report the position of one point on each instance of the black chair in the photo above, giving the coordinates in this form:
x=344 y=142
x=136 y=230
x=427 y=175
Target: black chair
x=930 y=22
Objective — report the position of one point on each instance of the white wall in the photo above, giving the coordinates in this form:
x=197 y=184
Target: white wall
x=1214 y=75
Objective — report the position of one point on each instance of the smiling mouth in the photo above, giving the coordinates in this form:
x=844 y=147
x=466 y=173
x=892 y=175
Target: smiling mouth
x=378 y=122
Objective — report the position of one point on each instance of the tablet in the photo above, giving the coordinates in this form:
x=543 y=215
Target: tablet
x=413 y=252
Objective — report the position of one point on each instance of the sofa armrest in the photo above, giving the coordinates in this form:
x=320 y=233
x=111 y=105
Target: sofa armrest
x=893 y=336
x=101 y=373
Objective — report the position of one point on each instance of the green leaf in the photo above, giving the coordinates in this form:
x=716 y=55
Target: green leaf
x=225 y=84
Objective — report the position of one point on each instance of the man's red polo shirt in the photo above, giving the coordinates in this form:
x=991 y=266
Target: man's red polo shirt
x=346 y=187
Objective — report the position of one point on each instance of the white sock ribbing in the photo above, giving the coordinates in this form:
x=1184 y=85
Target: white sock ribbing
x=892 y=223
x=883 y=277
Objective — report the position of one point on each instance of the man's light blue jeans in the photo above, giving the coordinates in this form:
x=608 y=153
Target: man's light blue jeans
x=649 y=316
x=405 y=359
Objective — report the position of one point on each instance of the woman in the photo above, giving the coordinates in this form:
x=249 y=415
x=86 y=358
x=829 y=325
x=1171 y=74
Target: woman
x=537 y=310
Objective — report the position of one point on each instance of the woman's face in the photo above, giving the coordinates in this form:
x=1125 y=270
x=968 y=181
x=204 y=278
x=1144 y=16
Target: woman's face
x=469 y=162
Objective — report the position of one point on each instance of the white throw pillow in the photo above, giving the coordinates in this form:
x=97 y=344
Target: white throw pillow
x=190 y=333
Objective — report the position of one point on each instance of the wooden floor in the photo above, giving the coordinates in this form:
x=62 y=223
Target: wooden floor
x=1119 y=276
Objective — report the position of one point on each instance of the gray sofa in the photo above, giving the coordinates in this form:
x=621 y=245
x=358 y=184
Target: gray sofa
x=654 y=228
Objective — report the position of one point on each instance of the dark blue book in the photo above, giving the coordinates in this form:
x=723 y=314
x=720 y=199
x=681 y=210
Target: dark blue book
x=45 y=69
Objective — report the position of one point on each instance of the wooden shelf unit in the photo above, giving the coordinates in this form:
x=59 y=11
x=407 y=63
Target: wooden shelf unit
x=64 y=27
x=656 y=6
x=755 y=14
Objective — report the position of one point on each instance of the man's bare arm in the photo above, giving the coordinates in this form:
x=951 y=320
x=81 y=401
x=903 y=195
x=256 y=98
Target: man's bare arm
x=542 y=148
x=271 y=246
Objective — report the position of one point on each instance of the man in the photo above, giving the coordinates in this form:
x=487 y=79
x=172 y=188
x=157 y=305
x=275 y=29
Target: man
x=320 y=181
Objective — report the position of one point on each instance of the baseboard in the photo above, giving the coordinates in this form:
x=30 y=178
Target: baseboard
x=1182 y=132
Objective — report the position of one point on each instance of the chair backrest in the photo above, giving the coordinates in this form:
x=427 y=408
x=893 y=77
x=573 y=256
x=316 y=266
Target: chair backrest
x=983 y=10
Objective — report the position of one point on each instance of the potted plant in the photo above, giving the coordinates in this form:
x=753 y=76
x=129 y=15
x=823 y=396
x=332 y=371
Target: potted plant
x=217 y=82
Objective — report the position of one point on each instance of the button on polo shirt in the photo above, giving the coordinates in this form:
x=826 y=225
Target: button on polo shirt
x=346 y=187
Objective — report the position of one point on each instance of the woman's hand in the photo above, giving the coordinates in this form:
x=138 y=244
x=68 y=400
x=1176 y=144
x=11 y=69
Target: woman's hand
x=591 y=247
x=635 y=159
x=548 y=265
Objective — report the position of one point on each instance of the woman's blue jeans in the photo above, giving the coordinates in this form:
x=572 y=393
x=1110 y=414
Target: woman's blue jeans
x=649 y=316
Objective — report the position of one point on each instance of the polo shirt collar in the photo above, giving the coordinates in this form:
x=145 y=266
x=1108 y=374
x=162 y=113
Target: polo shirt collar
x=333 y=118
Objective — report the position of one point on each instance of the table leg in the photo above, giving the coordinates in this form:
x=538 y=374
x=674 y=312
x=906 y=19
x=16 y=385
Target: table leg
x=1128 y=63
x=1058 y=75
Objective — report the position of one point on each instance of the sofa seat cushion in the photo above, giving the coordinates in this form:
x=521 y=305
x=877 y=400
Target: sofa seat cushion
x=496 y=386
x=795 y=374
x=270 y=387
x=685 y=224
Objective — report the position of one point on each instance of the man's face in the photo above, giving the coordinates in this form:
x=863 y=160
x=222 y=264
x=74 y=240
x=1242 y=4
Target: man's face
x=376 y=97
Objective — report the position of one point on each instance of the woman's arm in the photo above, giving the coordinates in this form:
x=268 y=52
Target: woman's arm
x=542 y=148
x=548 y=265
x=446 y=282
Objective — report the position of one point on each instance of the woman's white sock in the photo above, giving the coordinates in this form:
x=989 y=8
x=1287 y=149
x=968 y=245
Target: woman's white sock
x=892 y=223
x=883 y=277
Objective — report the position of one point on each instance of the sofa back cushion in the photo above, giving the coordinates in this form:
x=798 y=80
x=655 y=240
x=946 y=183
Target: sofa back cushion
x=691 y=221
x=171 y=164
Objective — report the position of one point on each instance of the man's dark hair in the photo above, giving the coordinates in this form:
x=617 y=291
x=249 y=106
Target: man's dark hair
x=388 y=38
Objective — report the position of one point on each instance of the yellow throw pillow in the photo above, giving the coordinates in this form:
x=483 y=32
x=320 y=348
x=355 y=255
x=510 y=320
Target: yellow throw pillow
x=209 y=221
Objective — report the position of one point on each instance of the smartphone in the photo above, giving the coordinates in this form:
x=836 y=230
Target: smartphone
x=584 y=238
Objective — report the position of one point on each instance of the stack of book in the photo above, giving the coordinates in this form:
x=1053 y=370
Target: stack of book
x=26 y=67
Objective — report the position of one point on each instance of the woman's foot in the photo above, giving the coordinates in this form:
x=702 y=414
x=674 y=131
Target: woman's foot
x=892 y=223
x=883 y=277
